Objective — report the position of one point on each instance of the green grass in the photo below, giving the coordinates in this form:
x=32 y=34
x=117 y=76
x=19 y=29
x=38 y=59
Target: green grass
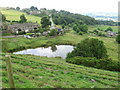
x=15 y=15
x=103 y=27
x=42 y=72
x=71 y=38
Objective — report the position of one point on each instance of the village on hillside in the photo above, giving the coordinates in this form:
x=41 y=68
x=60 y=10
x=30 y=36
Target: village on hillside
x=57 y=49
x=22 y=27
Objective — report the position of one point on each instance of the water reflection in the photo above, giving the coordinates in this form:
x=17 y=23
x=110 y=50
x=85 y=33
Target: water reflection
x=53 y=51
x=53 y=48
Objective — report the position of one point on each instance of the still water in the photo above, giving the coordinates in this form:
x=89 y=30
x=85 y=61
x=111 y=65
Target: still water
x=52 y=51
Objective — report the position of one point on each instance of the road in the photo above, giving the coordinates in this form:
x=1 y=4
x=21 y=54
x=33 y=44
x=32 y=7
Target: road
x=12 y=36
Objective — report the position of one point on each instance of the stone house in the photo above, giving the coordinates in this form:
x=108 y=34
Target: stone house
x=34 y=12
x=26 y=27
x=111 y=34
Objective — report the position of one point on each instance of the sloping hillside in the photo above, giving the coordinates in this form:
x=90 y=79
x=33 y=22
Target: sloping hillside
x=15 y=15
x=42 y=72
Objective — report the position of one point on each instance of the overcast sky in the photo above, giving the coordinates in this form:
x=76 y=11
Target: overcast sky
x=75 y=6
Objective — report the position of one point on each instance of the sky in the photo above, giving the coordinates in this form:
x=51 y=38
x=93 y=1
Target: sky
x=74 y=6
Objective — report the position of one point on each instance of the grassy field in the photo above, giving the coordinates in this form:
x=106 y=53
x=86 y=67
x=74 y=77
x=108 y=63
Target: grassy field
x=15 y=15
x=103 y=27
x=42 y=72
x=71 y=38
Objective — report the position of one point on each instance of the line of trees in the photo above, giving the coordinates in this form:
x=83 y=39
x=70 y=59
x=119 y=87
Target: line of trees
x=65 y=18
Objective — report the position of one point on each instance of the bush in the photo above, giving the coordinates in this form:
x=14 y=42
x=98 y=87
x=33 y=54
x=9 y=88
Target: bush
x=118 y=38
x=41 y=30
x=89 y=48
x=21 y=32
x=100 y=34
x=109 y=29
x=80 y=28
x=96 y=31
x=106 y=64
x=53 y=32
x=80 y=33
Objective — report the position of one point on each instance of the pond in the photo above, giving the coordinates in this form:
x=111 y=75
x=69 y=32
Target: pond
x=52 y=51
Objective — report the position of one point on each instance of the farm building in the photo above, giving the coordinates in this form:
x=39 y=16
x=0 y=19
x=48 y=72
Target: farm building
x=111 y=34
x=26 y=27
x=34 y=12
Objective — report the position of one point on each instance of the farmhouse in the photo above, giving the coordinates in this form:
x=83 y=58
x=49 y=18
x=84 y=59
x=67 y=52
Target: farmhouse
x=111 y=34
x=34 y=12
x=26 y=27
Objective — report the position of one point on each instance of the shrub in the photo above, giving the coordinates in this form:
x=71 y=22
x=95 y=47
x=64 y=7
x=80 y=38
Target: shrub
x=23 y=19
x=109 y=29
x=96 y=31
x=100 y=34
x=80 y=28
x=80 y=33
x=53 y=32
x=106 y=64
x=118 y=38
x=89 y=48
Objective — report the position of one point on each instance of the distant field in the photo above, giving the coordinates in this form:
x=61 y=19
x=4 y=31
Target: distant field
x=103 y=27
x=15 y=15
x=42 y=72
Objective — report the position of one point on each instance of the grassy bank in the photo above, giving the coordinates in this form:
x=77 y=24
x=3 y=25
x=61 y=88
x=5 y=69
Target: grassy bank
x=71 y=38
x=42 y=72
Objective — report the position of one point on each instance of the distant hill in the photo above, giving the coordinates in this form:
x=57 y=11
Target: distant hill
x=63 y=17
x=104 y=16
x=72 y=18
x=15 y=15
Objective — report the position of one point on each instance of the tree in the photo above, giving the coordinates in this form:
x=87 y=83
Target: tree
x=53 y=32
x=3 y=18
x=80 y=28
x=83 y=28
x=89 y=48
x=53 y=48
x=17 y=8
x=96 y=31
x=23 y=18
x=45 y=22
x=118 y=38
x=33 y=8
x=109 y=29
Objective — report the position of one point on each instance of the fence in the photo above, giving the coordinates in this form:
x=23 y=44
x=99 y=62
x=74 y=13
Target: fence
x=10 y=72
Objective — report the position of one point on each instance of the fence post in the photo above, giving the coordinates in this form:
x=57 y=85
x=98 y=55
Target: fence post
x=10 y=72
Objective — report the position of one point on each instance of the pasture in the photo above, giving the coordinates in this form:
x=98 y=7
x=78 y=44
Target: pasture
x=14 y=15
x=42 y=72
